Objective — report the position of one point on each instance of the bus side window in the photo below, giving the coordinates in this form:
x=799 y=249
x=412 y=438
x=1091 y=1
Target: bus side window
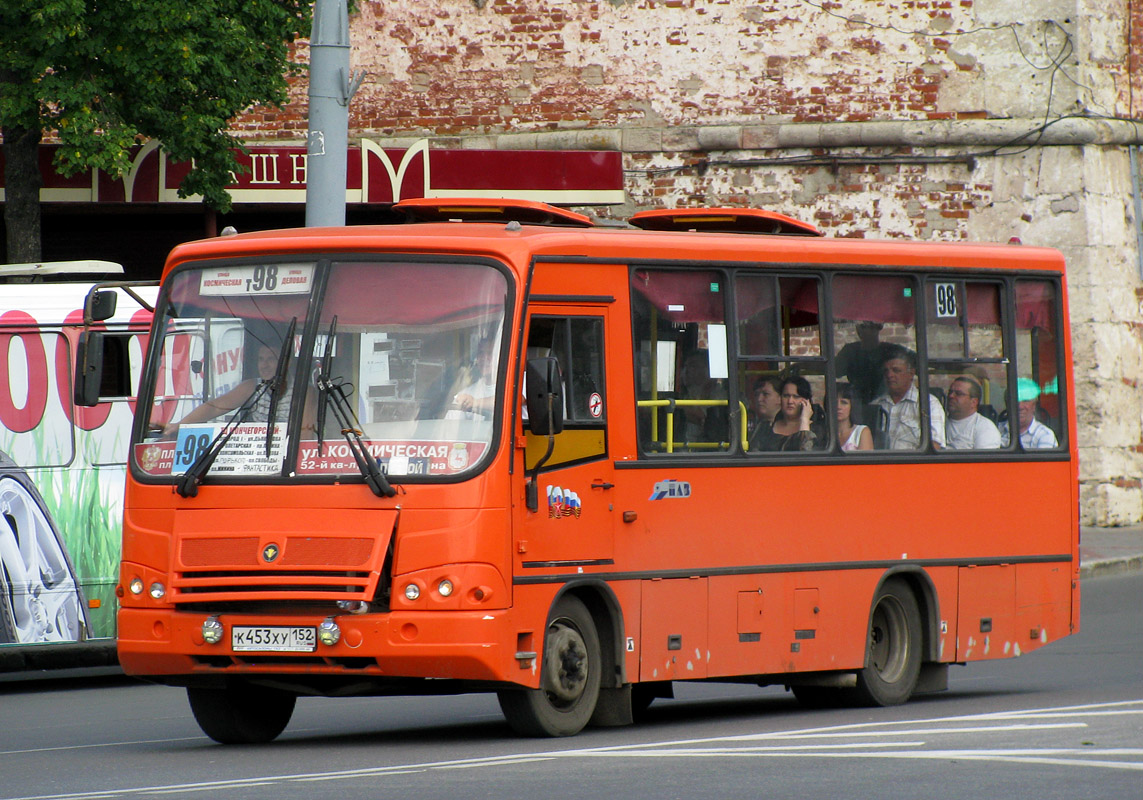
x=577 y=343
x=679 y=319
x=875 y=340
x=36 y=429
x=779 y=348
x=1037 y=421
x=968 y=367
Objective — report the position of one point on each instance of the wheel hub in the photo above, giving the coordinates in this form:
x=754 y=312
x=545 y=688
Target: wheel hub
x=566 y=673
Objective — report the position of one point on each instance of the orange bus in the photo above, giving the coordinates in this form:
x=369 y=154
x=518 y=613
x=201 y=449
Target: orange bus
x=500 y=448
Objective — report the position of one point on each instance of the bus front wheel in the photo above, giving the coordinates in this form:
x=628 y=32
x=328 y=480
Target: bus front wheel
x=569 y=679
x=893 y=648
x=241 y=715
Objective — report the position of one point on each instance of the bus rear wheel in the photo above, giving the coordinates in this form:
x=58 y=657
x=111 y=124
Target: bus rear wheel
x=893 y=649
x=241 y=714
x=569 y=679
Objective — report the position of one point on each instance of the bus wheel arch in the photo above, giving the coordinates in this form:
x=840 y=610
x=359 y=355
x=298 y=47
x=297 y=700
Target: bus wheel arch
x=928 y=603
x=894 y=645
x=615 y=704
x=571 y=667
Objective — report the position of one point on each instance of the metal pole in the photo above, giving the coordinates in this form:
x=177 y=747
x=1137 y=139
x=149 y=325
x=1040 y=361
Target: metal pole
x=331 y=86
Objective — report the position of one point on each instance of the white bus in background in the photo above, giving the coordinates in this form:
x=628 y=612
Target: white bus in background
x=62 y=465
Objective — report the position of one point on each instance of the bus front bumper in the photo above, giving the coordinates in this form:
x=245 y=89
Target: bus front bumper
x=458 y=645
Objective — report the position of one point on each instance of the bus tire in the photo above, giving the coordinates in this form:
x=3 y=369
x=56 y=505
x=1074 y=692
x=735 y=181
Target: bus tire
x=893 y=648
x=241 y=714
x=569 y=677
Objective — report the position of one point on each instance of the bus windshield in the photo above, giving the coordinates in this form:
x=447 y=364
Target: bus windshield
x=276 y=368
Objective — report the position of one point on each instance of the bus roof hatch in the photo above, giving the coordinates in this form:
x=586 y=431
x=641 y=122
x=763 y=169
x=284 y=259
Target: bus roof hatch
x=489 y=209
x=722 y=220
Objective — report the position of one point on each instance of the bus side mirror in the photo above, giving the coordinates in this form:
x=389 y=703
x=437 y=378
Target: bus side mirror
x=544 y=397
x=99 y=305
x=102 y=368
x=88 y=368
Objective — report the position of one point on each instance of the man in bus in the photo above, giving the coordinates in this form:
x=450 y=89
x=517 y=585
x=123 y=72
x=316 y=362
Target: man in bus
x=861 y=361
x=267 y=365
x=966 y=429
x=901 y=403
x=1034 y=435
x=477 y=400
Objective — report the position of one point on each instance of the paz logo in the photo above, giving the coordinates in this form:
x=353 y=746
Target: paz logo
x=670 y=489
x=562 y=502
x=270 y=552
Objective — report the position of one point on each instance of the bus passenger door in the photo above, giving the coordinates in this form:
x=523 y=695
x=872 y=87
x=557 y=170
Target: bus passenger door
x=572 y=525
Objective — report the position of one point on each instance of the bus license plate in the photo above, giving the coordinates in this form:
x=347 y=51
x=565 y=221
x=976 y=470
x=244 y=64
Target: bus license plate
x=273 y=638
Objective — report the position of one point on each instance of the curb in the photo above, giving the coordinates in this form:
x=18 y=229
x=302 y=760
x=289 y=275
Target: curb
x=1111 y=566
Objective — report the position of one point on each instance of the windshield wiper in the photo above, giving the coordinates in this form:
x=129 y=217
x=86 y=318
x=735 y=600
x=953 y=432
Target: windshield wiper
x=333 y=394
x=323 y=381
x=279 y=382
x=189 y=482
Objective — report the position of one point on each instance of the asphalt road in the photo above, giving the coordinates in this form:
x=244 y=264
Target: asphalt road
x=1062 y=722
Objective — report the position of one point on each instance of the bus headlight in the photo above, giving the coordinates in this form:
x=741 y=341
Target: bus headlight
x=136 y=586
x=212 y=630
x=158 y=591
x=412 y=591
x=328 y=633
x=445 y=587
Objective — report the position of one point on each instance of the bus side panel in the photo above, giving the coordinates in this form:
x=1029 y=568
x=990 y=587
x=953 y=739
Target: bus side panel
x=674 y=630
x=987 y=612
x=1043 y=611
x=794 y=622
x=62 y=475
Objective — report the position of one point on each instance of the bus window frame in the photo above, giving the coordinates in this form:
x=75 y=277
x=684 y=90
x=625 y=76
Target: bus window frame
x=1062 y=431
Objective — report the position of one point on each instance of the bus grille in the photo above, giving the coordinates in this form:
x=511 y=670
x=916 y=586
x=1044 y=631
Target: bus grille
x=314 y=568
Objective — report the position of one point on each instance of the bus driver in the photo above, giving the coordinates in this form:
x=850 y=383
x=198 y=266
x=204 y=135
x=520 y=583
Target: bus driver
x=260 y=412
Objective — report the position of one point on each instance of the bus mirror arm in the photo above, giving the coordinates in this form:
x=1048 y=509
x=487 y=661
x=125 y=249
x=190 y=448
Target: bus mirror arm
x=544 y=391
x=532 y=492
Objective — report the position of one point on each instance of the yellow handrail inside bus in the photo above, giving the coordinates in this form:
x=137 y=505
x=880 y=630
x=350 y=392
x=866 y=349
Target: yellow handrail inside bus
x=743 y=433
x=670 y=443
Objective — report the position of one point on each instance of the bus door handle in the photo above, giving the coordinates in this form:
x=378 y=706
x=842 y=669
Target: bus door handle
x=602 y=485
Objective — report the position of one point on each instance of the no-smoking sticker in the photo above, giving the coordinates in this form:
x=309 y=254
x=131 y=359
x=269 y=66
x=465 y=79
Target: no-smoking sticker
x=595 y=404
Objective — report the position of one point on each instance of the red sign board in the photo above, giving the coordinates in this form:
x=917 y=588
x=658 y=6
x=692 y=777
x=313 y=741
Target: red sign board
x=374 y=174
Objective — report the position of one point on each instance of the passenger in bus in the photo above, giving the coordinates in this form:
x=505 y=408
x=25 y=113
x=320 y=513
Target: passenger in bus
x=767 y=402
x=901 y=403
x=852 y=435
x=1034 y=435
x=267 y=366
x=966 y=428
x=477 y=400
x=861 y=361
x=700 y=423
x=793 y=428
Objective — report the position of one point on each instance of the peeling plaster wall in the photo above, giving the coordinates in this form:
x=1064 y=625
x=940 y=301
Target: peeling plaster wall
x=680 y=84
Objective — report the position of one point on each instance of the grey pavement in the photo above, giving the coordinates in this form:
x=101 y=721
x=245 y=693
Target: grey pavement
x=1104 y=551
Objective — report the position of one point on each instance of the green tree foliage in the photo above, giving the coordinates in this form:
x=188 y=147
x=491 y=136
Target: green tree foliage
x=105 y=75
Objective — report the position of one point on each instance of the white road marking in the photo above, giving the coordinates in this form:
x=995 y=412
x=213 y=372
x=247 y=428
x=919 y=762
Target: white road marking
x=1100 y=758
